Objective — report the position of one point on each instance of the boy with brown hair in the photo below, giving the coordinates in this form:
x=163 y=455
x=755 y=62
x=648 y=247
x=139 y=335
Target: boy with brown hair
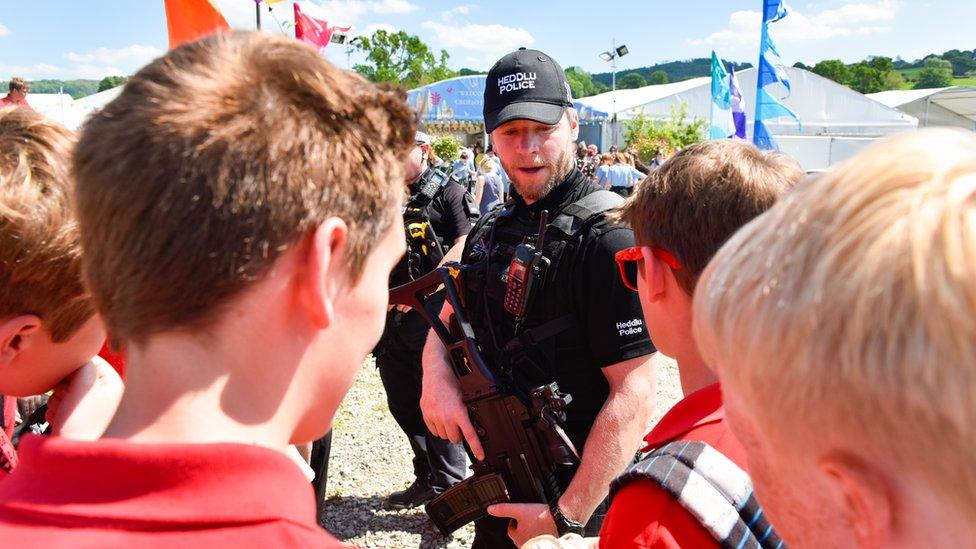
x=843 y=327
x=49 y=332
x=238 y=205
x=681 y=215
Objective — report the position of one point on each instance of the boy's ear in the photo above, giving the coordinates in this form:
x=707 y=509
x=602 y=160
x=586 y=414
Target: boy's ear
x=655 y=275
x=867 y=498
x=16 y=335
x=325 y=270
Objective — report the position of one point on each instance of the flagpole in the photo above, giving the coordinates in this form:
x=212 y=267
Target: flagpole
x=257 y=15
x=762 y=43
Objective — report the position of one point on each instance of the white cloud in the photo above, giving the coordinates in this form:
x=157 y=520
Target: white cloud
x=135 y=54
x=368 y=30
x=101 y=62
x=93 y=64
x=847 y=20
x=458 y=10
x=4 y=31
x=350 y=10
x=480 y=38
x=30 y=72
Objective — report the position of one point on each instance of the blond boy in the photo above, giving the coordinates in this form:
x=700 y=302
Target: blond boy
x=843 y=326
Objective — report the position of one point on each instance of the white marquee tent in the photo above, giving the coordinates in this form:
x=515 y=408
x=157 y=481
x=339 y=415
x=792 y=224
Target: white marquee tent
x=954 y=106
x=71 y=113
x=836 y=121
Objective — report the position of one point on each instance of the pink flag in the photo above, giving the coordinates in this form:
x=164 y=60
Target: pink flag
x=314 y=31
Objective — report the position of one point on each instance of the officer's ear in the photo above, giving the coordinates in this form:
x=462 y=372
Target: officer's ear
x=573 y=123
x=322 y=271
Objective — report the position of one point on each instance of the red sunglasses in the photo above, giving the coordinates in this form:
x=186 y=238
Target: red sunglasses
x=628 y=261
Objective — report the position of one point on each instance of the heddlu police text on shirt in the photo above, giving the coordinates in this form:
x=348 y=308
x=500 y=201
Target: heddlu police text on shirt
x=517 y=81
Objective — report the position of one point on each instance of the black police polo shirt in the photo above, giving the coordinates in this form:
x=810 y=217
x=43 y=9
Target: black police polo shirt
x=609 y=324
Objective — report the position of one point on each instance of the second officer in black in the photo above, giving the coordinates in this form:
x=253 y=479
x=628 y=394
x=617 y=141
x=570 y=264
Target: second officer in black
x=437 y=217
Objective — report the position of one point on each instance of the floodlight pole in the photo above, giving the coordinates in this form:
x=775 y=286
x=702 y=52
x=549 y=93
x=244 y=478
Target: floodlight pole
x=613 y=91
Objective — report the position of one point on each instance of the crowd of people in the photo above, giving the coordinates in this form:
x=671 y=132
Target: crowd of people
x=230 y=226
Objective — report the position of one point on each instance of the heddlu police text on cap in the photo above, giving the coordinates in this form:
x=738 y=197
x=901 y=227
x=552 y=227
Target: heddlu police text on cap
x=517 y=81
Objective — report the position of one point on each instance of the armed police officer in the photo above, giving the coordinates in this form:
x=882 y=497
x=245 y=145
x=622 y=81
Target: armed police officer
x=437 y=216
x=582 y=328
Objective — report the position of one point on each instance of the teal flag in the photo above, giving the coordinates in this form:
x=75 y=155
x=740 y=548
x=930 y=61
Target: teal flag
x=721 y=125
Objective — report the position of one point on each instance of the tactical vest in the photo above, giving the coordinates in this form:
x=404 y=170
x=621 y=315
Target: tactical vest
x=710 y=486
x=529 y=356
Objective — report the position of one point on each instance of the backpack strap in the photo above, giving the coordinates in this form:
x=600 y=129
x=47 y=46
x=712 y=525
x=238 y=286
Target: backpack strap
x=711 y=487
x=574 y=217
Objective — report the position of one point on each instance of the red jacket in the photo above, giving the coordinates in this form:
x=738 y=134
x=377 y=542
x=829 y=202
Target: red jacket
x=114 y=493
x=642 y=514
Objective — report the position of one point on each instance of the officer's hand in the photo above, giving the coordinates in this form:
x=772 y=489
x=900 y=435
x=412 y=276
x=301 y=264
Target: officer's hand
x=444 y=411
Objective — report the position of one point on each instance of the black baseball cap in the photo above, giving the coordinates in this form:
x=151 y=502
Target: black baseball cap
x=526 y=84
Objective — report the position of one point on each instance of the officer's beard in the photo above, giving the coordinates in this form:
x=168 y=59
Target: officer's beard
x=558 y=171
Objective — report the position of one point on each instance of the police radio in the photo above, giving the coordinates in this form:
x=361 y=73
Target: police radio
x=527 y=267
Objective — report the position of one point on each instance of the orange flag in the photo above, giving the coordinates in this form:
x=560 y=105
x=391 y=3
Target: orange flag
x=188 y=20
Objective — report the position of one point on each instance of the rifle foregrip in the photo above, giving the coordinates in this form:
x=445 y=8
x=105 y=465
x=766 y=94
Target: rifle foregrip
x=466 y=501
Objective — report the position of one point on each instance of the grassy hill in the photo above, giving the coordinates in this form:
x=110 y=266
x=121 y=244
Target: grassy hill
x=676 y=70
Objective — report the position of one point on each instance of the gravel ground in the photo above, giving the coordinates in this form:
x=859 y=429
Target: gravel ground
x=371 y=459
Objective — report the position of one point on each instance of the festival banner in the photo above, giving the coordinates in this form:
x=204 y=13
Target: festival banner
x=187 y=20
x=770 y=72
x=315 y=32
x=738 y=106
x=721 y=126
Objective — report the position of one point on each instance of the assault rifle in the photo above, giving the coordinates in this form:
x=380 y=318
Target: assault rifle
x=520 y=431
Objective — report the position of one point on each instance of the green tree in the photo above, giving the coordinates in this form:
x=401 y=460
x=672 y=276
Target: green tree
x=834 y=69
x=658 y=77
x=446 y=147
x=893 y=80
x=631 y=80
x=865 y=78
x=963 y=62
x=936 y=73
x=651 y=136
x=110 y=82
x=581 y=83
x=401 y=58
x=881 y=63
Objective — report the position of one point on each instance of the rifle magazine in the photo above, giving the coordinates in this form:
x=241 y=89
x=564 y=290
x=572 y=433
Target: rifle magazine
x=466 y=501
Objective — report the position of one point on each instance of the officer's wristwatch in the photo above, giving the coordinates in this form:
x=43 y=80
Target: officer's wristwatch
x=564 y=524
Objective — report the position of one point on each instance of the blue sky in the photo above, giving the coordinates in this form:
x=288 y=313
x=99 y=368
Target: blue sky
x=95 y=38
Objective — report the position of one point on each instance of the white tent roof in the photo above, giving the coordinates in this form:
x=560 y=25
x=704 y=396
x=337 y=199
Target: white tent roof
x=52 y=105
x=824 y=107
x=627 y=100
x=69 y=112
x=952 y=104
x=90 y=103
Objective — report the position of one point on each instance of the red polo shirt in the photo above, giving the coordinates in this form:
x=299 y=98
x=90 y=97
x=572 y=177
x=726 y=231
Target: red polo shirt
x=8 y=101
x=642 y=513
x=113 y=493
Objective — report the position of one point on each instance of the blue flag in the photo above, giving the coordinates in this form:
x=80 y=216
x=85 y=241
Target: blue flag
x=721 y=109
x=770 y=72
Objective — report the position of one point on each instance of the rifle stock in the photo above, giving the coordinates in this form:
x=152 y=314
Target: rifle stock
x=520 y=432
